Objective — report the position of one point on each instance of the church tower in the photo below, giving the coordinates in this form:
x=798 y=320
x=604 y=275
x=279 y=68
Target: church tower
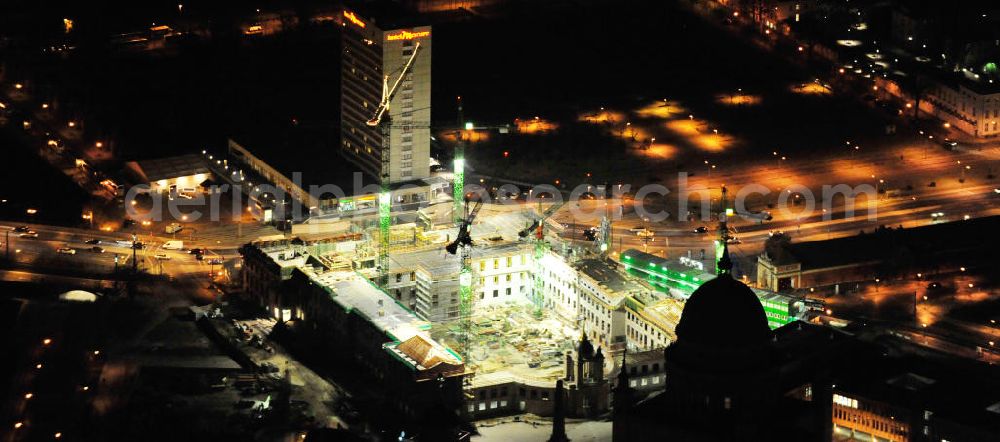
x=588 y=389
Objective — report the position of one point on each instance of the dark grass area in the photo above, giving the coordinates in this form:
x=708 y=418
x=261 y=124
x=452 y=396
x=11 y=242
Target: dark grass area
x=30 y=182
x=555 y=61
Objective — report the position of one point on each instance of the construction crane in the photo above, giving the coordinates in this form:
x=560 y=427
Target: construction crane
x=541 y=246
x=462 y=245
x=458 y=166
x=382 y=120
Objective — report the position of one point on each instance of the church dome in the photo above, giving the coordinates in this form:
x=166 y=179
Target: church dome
x=723 y=313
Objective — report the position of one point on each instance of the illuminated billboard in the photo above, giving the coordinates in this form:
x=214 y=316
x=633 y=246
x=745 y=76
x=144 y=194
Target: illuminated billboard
x=353 y=18
x=406 y=35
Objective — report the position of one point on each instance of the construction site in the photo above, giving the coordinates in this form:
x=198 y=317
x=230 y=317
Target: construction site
x=473 y=286
x=508 y=342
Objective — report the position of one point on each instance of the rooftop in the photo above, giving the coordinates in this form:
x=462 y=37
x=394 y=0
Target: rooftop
x=885 y=243
x=437 y=261
x=607 y=276
x=411 y=341
x=173 y=167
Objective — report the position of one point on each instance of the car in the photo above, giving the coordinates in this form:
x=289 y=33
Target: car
x=29 y=234
x=97 y=249
x=66 y=251
x=215 y=261
x=93 y=242
x=196 y=251
x=199 y=257
x=734 y=240
x=22 y=229
x=934 y=285
x=138 y=245
x=701 y=229
x=162 y=256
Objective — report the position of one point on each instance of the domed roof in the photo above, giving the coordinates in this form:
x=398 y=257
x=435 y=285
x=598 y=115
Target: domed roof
x=723 y=313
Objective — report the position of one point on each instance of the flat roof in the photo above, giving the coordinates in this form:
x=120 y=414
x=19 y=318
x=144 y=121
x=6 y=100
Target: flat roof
x=665 y=313
x=437 y=261
x=606 y=275
x=173 y=167
x=357 y=294
x=883 y=243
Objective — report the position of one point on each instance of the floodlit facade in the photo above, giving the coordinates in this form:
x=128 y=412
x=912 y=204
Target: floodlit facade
x=369 y=54
x=973 y=111
x=410 y=136
x=504 y=274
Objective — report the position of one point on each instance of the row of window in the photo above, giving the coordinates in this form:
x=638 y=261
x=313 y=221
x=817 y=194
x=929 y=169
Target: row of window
x=509 y=262
x=869 y=422
x=507 y=292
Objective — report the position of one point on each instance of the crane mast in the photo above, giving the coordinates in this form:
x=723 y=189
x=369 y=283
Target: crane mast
x=462 y=245
x=382 y=120
x=541 y=246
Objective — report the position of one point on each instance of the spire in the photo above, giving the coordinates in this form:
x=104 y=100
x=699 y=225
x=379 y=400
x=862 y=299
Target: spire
x=725 y=266
x=622 y=374
x=559 y=415
x=723 y=263
x=622 y=392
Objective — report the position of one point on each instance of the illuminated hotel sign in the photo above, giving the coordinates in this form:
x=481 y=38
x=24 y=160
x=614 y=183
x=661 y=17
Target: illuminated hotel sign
x=353 y=19
x=407 y=35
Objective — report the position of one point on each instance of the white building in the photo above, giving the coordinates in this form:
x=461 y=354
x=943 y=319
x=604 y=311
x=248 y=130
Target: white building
x=559 y=290
x=503 y=272
x=973 y=111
